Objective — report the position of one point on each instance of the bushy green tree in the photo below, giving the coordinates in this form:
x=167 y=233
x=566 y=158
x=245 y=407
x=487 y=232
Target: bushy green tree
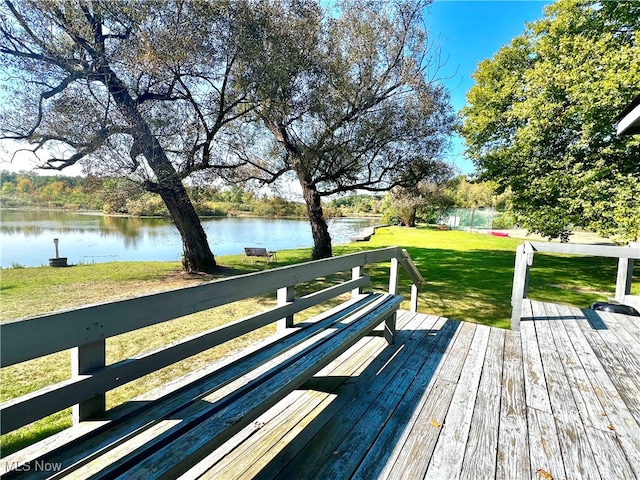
x=540 y=119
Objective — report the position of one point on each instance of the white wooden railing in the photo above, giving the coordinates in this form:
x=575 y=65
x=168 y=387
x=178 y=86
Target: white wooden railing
x=524 y=261
x=84 y=330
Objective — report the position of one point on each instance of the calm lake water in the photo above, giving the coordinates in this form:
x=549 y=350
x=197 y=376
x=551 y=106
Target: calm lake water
x=26 y=236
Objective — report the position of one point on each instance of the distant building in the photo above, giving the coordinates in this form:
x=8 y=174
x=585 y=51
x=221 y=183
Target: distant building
x=629 y=119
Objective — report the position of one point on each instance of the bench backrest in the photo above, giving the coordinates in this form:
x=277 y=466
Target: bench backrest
x=255 y=252
x=85 y=329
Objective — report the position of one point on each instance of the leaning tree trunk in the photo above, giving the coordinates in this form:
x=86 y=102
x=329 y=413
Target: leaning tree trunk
x=319 y=228
x=197 y=254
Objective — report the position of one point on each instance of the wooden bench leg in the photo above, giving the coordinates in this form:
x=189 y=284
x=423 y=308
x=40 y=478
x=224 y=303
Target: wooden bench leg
x=390 y=329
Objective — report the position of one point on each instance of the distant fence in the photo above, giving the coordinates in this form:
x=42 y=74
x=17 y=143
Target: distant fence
x=469 y=218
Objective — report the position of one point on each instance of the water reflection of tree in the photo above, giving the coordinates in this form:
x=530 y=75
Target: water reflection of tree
x=133 y=229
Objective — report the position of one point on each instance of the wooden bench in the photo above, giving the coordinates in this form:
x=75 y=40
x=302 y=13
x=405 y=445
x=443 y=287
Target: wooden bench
x=168 y=431
x=251 y=253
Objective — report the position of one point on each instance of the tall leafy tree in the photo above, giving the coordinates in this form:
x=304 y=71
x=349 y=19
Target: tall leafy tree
x=345 y=99
x=427 y=200
x=541 y=119
x=131 y=87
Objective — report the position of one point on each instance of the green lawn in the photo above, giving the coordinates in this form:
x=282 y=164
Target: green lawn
x=468 y=277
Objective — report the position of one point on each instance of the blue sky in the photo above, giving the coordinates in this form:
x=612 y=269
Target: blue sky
x=467 y=33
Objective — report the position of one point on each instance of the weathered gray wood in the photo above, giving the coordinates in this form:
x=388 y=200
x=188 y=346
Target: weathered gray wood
x=85 y=360
x=177 y=395
x=393 y=276
x=451 y=367
x=626 y=329
x=630 y=324
x=448 y=455
x=370 y=351
x=290 y=423
x=424 y=392
x=623 y=278
x=255 y=393
x=620 y=363
x=536 y=392
x=356 y=272
x=418 y=445
x=513 y=443
x=21 y=340
x=284 y=297
x=588 y=250
x=390 y=409
x=523 y=263
x=577 y=456
x=351 y=405
x=415 y=453
x=608 y=385
x=410 y=269
x=414 y=299
x=626 y=256
x=390 y=329
x=574 y=353
x=482 y=446
x=28 y=408
x=632 y=301
x=602 y=412
x=610 y=458
x=544 y=448
x=192 y=446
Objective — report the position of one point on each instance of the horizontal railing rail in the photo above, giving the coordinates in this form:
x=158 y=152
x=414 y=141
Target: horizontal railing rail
x=524 y=260
x=85 y=329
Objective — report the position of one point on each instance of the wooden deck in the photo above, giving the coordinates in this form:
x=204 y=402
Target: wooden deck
x=560 y=399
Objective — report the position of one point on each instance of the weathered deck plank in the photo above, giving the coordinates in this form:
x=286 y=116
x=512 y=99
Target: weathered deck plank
x=386 y=407
x=575 y=449
x=481 y=450
x=512 y=461
x=449 y=452
x=414 y=458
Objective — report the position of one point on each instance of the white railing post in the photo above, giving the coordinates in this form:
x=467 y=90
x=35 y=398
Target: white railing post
x=414 y=298
x=393 y=277
x=84 y=360
x=356 y=272
x=524 y=259
x=285 y=296
x=409 y=267
x=623 y=279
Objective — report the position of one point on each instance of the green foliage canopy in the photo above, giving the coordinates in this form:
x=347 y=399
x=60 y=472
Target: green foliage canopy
x=541 y=119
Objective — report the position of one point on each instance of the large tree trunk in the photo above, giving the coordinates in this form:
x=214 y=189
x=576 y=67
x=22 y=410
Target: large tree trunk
x=197 y=255
x=412 y=217
x=319 y=228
